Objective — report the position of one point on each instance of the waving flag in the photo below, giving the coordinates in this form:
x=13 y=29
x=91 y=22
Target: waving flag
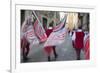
x=60 y=25
x=87 y=47
x=30 y=36
x=38 y=28
x=39 y=31
x=58 y=35
x=27 y=32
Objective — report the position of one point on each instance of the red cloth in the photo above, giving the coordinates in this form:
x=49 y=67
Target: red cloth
x=87 y=48
x=25 y=46
x=48 y=31
x=23 y=42
x=78 y=43
x=48 y=49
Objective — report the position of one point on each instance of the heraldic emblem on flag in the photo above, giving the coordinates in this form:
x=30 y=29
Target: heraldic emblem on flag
x=58 y=35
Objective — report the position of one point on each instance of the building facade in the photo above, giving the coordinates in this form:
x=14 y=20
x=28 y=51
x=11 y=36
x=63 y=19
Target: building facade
x=52 y=18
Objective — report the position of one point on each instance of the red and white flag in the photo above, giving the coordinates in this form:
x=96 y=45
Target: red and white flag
x=27 y=32
x=87 y=47
x=58 y=35
x=39 y=31
x=60 y=25
x=30 y=36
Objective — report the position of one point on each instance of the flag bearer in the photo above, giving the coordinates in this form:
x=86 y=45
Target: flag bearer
x=24 y=42
x=78 y=39
x=49 y=49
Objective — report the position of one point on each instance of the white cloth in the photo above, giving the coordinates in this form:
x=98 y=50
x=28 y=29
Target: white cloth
x=73 y=36
x=86 y=35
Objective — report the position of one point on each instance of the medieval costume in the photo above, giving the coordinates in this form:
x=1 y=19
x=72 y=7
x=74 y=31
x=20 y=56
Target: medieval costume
x=49 y=49
x=78 y=39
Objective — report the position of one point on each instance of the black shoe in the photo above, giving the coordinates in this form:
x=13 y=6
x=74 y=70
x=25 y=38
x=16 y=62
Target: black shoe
x=56 y=56
x=78 y=58
x=25 y=58
x=49 y=58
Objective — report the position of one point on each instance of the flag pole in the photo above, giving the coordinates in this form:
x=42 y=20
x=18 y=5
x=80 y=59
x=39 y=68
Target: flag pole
x=38 y=20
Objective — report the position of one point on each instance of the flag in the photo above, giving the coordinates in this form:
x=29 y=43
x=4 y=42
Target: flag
x=87 y=47
x=27 y=32
x=60 y=25
x=58 y=35
x=30 y=36
x=39 y=31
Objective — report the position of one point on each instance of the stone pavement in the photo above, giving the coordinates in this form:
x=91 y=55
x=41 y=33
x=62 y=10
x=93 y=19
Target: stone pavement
x=65 y=52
